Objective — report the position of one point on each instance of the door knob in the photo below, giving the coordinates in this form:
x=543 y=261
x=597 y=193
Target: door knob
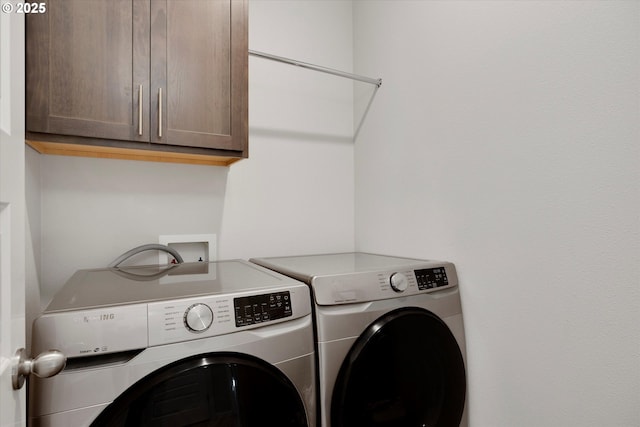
x=44 y=365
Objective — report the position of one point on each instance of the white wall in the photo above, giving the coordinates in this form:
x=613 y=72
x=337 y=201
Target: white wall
x=295 y=192
x=293 y=195
x=505 y=138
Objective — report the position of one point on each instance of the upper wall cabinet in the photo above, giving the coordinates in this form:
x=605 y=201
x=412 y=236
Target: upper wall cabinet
x=162 y=80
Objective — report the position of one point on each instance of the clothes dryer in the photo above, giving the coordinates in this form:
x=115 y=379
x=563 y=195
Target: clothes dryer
x=390 y=339
x=224 y=343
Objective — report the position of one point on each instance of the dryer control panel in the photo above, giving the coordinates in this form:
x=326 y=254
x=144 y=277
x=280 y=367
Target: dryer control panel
x=378 y=285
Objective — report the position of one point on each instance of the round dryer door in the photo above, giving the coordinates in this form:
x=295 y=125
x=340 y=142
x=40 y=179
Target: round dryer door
x=406 y=369
x=219 y=389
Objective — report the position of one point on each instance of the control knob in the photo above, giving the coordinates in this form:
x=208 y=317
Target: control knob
x=198 y=317
x=398 y=282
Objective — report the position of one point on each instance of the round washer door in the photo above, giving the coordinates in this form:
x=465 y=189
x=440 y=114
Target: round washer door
x=218 y=389
x=406 y=369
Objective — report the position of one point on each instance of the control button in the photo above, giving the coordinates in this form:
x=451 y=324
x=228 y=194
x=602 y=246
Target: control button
x=198 y=317
x=399 y=282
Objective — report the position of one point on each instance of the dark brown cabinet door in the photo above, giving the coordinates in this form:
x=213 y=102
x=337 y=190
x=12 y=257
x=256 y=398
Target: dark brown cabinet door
x=86 y=61
x=120 y=73
x=199 y=73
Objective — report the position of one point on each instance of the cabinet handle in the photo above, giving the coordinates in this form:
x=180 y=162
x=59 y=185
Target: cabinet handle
x=159 y=112
x=140 y=110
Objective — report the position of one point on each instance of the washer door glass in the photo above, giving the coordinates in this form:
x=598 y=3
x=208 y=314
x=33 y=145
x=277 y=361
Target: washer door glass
x=221 y=389
x=406 y=369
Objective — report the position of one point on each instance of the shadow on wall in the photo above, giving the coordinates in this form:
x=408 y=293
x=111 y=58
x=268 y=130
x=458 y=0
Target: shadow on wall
x=301 y=136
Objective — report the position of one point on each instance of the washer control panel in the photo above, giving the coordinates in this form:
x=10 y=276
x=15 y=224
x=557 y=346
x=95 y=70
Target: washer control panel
x=262 y=308
x=429 y=278
x=201 y=317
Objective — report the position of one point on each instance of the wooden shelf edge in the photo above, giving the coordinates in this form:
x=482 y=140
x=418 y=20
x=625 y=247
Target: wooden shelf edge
x=62 y=149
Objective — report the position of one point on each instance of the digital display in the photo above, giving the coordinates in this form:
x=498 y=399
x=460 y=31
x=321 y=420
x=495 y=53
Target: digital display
x=430 y=278
x=262 y=308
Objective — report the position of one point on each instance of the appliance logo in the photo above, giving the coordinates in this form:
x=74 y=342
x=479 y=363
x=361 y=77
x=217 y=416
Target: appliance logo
x=99 y=317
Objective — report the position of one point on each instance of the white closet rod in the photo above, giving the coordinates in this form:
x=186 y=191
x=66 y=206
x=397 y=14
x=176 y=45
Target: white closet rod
x=377 y=82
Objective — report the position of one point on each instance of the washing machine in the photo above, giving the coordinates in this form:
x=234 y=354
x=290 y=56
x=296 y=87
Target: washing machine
x=218 y=344
x=390 y=339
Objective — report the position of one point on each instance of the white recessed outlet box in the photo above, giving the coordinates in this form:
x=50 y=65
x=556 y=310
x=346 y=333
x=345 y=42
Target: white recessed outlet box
x=191 y=247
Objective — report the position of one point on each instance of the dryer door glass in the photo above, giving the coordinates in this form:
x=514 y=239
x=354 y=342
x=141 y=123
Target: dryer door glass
x=406 y=369
x=229 y=390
